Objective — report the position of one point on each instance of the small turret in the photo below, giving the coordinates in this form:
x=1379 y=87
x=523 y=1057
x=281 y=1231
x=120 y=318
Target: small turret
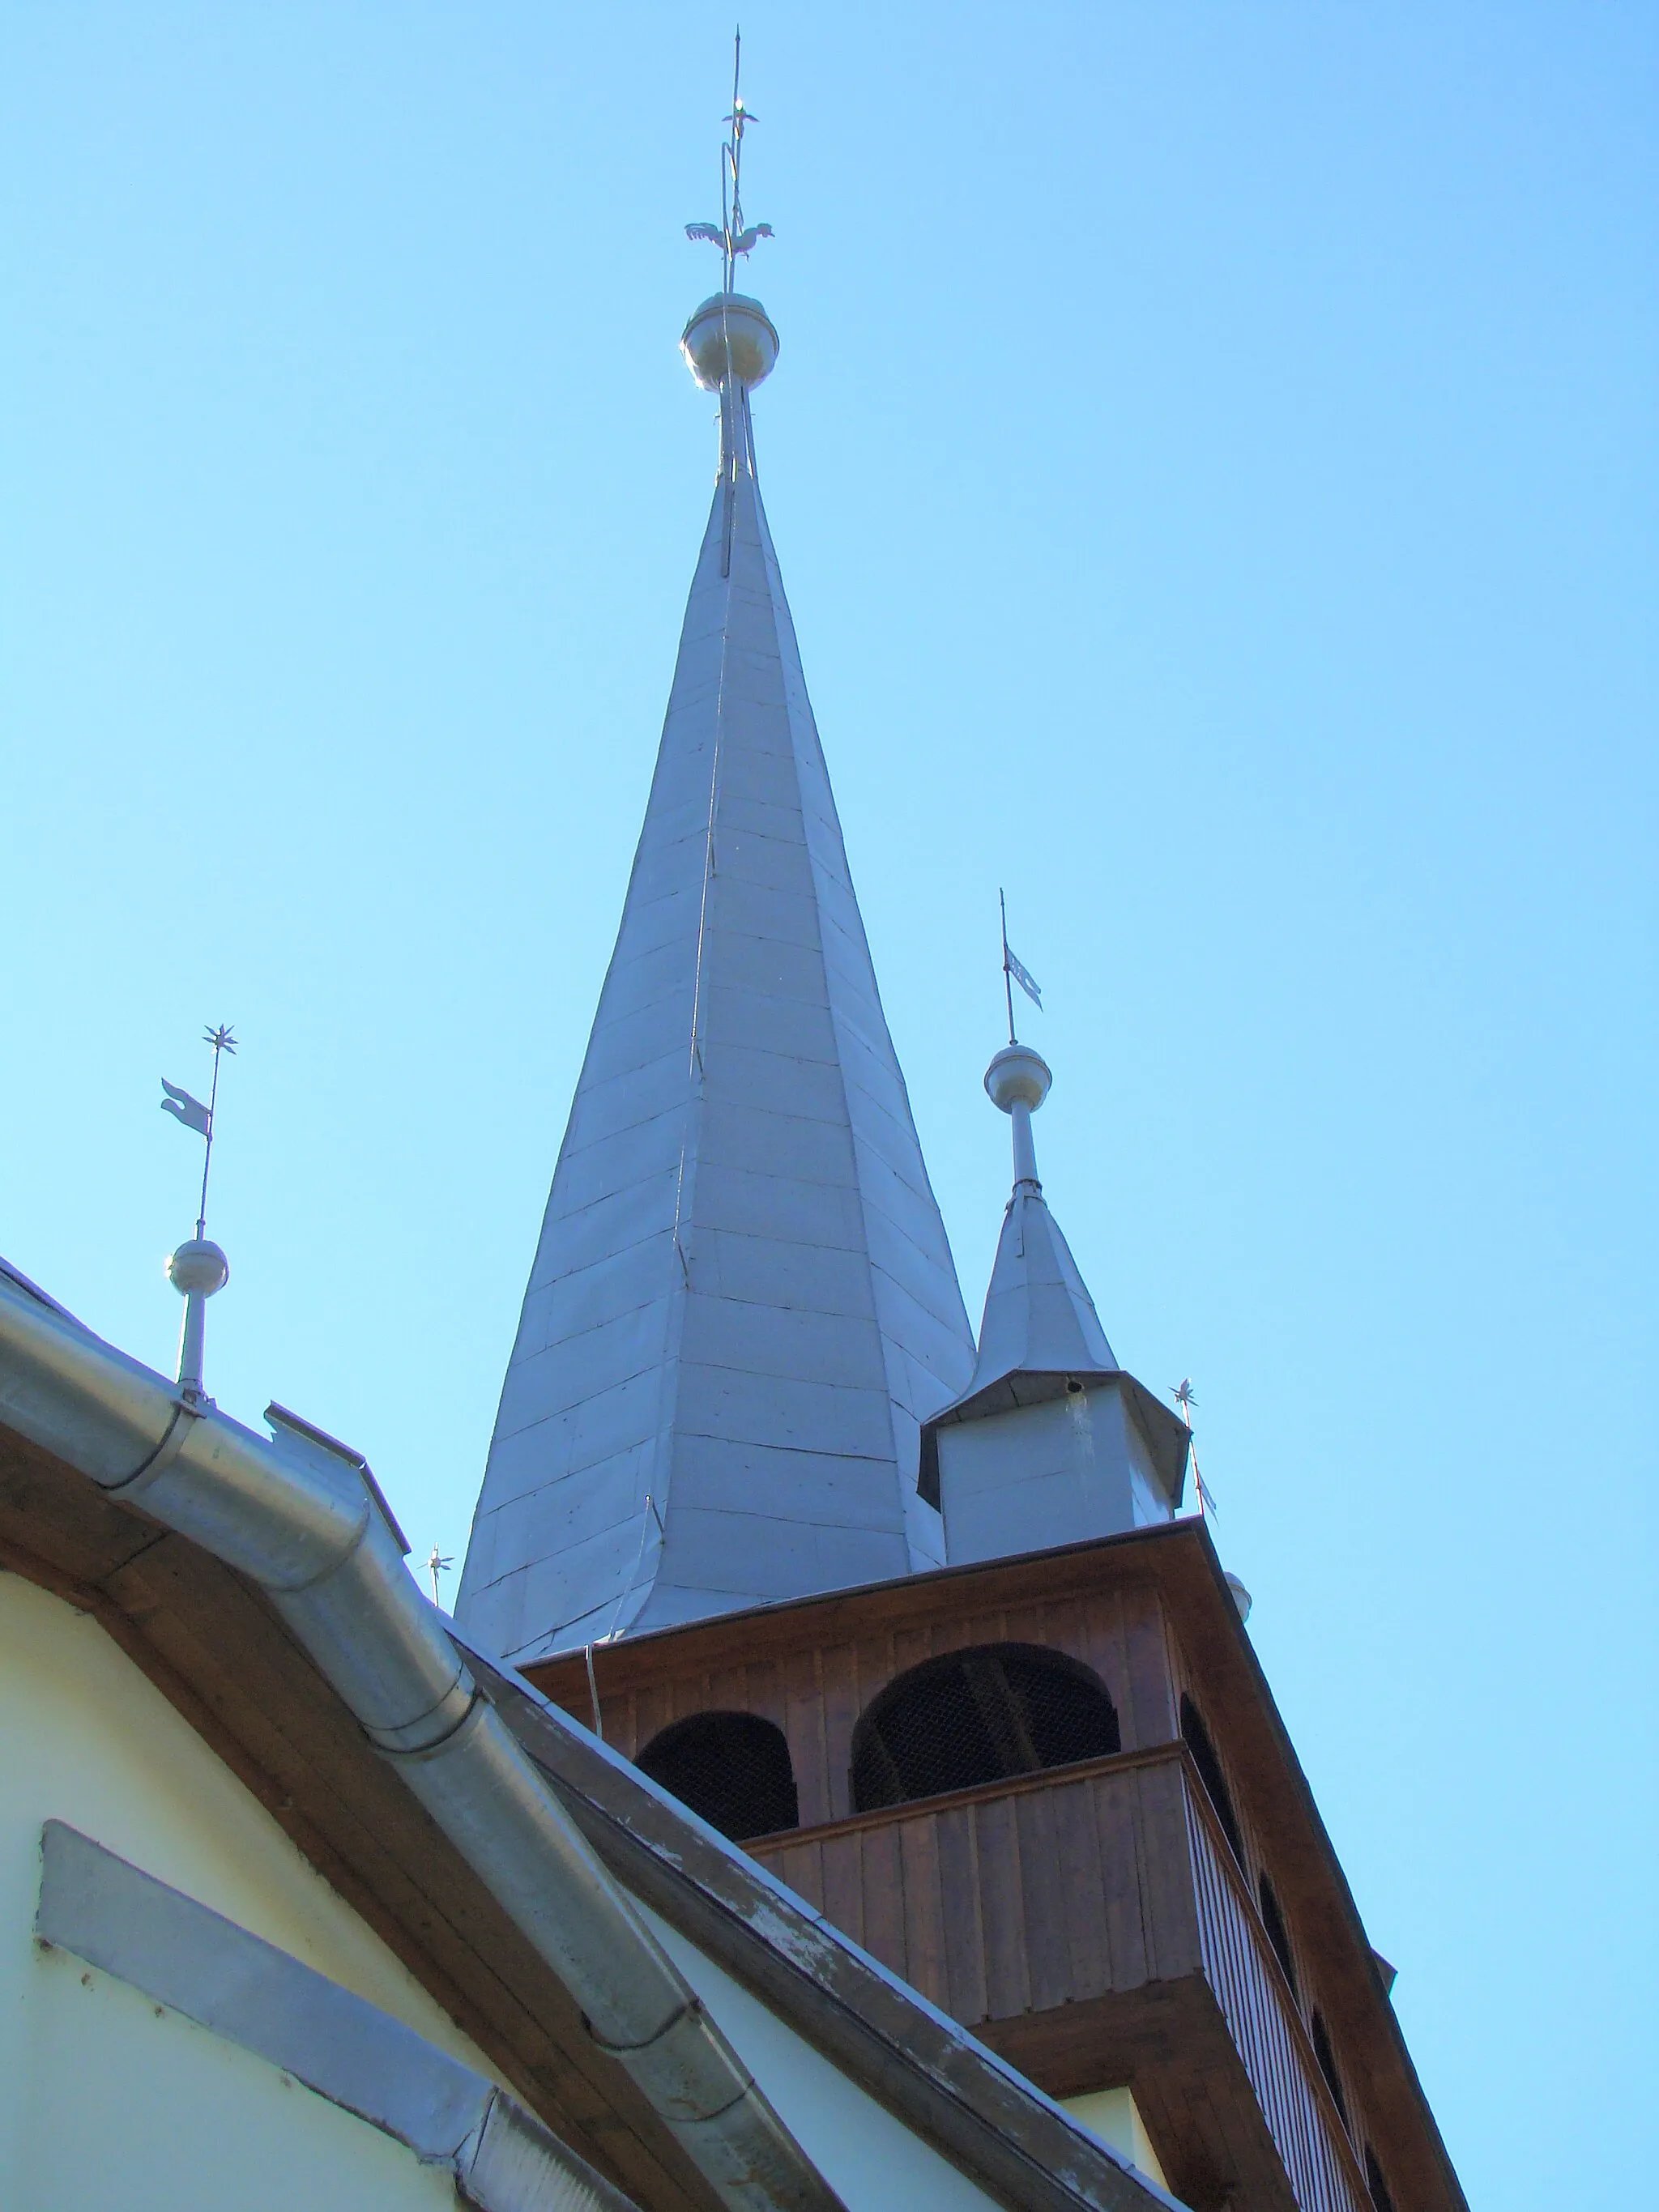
x=1052 y=1443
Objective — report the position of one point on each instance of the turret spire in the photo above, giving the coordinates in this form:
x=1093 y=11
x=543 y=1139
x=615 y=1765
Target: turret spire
x=1039 y=1316
x=1051 y=1442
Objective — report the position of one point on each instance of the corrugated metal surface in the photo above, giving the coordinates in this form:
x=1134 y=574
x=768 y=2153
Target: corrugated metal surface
x=743 y=1301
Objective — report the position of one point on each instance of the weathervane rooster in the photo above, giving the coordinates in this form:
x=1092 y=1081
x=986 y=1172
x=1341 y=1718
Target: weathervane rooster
x=731 y=234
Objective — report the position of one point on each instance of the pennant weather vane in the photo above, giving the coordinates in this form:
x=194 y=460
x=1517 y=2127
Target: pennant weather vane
x=193 y=1114
x=197 y=1268
x=1014 y=971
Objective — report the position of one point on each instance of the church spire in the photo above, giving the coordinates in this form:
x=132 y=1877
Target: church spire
x=743 y=1303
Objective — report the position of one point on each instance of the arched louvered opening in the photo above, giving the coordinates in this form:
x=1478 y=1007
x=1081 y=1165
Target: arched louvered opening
x=1327 y=2058
x=1197 y=1737
x=733 y=1769
x=1278 y=1935
x=1376 y=2184
x=976 y=1717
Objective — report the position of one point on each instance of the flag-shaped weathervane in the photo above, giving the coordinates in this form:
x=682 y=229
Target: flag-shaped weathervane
x=183 y=1107
x=193 y=1114
x=1015 y=971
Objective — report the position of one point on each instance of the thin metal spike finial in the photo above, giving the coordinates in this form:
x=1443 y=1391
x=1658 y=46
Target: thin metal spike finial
x=223 y=1040
x=735 y=120
x=1007 y=980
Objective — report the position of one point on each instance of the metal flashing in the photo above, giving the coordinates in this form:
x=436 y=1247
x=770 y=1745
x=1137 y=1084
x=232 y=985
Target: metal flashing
x=127 y=1923
x=292 y=1430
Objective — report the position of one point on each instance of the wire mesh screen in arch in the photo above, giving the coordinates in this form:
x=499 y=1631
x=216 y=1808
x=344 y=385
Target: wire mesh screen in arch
x=977 y=1716
x=731 y=1769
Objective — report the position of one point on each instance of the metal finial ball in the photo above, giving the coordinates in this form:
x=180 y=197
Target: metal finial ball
x=730 y=332
x=198 y=1266
x=1017 y=1077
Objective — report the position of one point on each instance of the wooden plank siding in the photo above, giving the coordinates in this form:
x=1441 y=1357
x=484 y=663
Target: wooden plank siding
x=815 y=1695
x=1018 y=1897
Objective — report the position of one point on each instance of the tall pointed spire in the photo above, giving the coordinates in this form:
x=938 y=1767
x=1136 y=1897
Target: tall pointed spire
x=743 y=1302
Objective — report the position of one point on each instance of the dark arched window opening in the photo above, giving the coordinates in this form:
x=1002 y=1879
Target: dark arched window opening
x=977 y=1716
x=733 y=1769
x=1278 y=1935
x=1327 y=2058
x=1198 y=1742
x=1375 y=2183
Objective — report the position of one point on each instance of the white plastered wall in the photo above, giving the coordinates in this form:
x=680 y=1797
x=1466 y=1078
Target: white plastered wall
x=1114 y=2116
x=127 y=2105
x=870 y=2159
x=103 y=2101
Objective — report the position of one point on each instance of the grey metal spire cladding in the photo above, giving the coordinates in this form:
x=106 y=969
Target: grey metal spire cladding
x=1051 y=1442
x=743 y=1302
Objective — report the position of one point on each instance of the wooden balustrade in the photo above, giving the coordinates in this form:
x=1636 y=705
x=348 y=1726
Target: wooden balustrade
x=1053 y=1888
x=1074 y=1898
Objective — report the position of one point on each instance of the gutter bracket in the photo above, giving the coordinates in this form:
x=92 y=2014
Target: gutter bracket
x=174 y=1437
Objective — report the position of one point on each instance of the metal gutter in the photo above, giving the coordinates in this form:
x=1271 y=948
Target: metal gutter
x=315 y=1541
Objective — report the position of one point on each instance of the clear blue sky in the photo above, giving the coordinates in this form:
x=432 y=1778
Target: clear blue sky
x=1212 y=458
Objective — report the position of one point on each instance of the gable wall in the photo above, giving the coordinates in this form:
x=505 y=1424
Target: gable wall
x=102 y=2100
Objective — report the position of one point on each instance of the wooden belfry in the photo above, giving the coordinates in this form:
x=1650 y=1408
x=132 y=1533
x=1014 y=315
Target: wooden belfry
x=1054 y=1794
